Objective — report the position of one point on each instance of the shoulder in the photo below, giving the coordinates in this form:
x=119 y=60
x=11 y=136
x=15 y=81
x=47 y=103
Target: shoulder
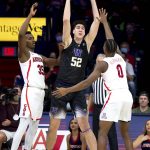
x=135 y=110
x=68 y=136
x=140 y=136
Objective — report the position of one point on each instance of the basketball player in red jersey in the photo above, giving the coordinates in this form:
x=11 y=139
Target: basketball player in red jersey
x=32 y=97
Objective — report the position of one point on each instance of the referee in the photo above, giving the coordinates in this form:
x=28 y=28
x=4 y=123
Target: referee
x=96 y=99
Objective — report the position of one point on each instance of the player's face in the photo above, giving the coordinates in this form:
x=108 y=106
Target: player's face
x=79 y=31
x=74 y=124
x=148 y=126
x=30 y=43
x=143 y=100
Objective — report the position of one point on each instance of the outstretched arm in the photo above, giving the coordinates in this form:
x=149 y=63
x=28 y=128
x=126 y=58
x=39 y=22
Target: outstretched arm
x=100 y=67
x=103 y=17
x=50 y=62
x=66 y=24
x=22 y=53
x=94 y=27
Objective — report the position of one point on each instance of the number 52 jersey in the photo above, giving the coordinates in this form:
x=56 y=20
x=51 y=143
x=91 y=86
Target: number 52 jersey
x=33 y=71
x=73 y=63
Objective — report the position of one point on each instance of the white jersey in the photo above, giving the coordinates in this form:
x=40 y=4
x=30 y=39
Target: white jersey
x=33 y=71
x=115 y=76
x=118 y=103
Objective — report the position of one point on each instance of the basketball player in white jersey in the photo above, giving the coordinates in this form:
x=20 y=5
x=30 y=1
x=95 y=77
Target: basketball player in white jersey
x=32 y=97
x=118 y=103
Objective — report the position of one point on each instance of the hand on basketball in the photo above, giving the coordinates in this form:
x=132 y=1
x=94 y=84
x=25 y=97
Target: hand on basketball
x=60 y=92
x=33 y=9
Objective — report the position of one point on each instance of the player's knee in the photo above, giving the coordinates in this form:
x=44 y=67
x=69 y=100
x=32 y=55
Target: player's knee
x=84 y=124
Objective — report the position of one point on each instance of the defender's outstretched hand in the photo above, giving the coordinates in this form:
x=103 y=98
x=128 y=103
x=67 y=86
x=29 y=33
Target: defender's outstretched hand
x=33 y=9
x=60 y=92
x=103 y=15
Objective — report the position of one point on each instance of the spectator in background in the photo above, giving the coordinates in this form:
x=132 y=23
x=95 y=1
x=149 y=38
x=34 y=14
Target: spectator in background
x=18 y=81
x=1 y=86
x=50 y=78
x=143 y=140
x=75 y=140
x=130 y=75
x=143 y=104
x=52 y=73
x=9 y=114
x=125 y=47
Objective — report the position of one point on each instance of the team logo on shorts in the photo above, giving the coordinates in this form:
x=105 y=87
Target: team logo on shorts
x=104 y=116
x=54 y=110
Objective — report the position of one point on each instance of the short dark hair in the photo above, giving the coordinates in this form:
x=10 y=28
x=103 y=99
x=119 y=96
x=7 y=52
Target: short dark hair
x=78 y=22
x=144 y=93
x=28 y=32
x=111 y=45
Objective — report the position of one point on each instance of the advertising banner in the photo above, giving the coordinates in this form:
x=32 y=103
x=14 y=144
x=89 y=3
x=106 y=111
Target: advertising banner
x=9 y=27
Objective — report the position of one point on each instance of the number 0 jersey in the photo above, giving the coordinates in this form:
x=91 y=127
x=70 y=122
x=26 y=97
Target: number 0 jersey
x=73 y=63
x=115 y=76
x=33 y=71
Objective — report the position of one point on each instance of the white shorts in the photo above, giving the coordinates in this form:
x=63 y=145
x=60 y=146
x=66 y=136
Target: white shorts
x=8 y=134
x=117 y=106
x=32 y=103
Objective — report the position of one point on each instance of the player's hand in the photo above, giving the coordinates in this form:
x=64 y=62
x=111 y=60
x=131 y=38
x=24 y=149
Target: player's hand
x=33 y=9
x=6 y=122
x=60 y=92
x=103 y=15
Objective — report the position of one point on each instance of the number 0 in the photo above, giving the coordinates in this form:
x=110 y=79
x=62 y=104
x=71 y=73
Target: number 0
x=120 y=72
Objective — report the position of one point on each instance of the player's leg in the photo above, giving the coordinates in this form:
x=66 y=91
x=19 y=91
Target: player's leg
x=57 y=112
x=79 y=106
x=103 y=133
x=24 y=122
x=124 y=127
x=112 y=137
x=86 y=130
x=30 y=134
x=125 y=118
x=95 y=119
x=52 y=133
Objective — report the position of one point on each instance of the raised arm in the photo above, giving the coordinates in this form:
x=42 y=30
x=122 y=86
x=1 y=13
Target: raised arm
x=22 y=53
x=66 y=24
x=103 y=18
x=50 y=62
x=90 y=37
